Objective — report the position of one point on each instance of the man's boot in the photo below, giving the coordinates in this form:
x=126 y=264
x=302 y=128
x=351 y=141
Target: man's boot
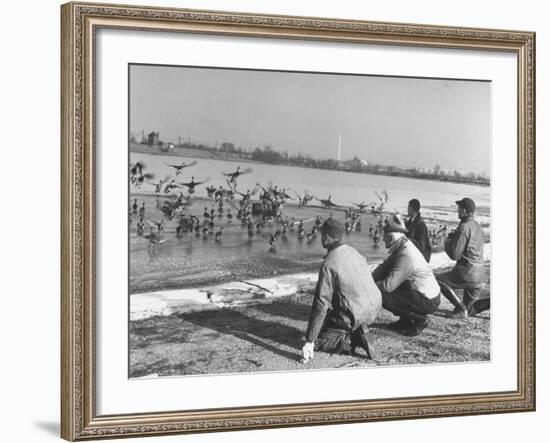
x=460 y=310
x=345 y=346
x=469 y=304
x=359 y=340
x=479 y=306
x=399 y=325
x=418 y=325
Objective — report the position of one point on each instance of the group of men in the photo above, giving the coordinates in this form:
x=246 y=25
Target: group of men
x=348 y=297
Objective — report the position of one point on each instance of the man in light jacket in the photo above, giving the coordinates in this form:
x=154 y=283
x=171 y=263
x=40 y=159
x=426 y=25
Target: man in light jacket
x=346 y=299
x=466 y=246
x=408 y=285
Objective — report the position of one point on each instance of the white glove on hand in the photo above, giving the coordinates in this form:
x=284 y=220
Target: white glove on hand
x=307 y=350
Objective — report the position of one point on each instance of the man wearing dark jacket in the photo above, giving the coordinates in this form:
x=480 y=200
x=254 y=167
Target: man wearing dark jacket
x=466 y=246
x=346 y=298
x=417 y=230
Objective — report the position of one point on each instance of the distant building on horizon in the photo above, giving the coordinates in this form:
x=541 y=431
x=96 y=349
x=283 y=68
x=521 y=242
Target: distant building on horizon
x=355 y=164
x=153 y=139
x=166 y=147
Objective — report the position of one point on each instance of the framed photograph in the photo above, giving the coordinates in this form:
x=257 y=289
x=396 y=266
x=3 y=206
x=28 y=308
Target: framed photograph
x=275 y=221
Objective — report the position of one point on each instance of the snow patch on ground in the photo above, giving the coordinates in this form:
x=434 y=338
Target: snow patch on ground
x=162 y=303
x=165 y=303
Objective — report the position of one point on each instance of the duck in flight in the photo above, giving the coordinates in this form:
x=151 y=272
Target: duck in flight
x=327 y=203
x=232 y=176
x=191 y=185
x=137 y=176
x=362 y=206
x=303 y=200
x=179 y=168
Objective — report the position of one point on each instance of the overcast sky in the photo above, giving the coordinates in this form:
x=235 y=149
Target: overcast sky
x=387 y=120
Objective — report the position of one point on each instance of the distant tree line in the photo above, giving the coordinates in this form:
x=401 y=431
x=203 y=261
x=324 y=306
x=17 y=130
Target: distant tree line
x=269 y=155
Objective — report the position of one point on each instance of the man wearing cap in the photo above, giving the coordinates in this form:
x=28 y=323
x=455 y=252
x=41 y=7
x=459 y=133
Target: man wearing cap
x=346 y=299
x=417 y=230
x=409 y=288
x=465 y=245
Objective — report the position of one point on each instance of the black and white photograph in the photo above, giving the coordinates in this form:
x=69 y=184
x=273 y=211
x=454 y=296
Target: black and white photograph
x=286 y=220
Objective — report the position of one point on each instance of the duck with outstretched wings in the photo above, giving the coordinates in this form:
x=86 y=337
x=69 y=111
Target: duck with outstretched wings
x=327 y=203
x=384 y=198
x=362 y=207
x=182 y=166
x=192 y=184
x=137 y=176
x=232 y=176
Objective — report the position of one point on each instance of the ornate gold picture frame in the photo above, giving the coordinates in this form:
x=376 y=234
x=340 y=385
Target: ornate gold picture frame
x=80 y=23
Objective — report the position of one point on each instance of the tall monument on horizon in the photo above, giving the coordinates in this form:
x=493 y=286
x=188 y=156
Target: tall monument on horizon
x=339 y=156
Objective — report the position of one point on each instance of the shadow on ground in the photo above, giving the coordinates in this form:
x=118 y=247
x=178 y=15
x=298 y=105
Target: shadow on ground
x=268 y=336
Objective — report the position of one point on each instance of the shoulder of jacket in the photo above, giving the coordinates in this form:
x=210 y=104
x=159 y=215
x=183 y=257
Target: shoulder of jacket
x=472 y=224
x=326 y=266
x=335 y=255
x=404 y=249
x=462 y=225
x=407 y=249
x=477 y=224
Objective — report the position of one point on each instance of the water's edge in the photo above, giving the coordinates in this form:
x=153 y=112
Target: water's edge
x=169 y=302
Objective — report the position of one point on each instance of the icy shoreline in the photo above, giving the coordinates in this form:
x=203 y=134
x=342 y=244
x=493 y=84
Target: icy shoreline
x=169 y=302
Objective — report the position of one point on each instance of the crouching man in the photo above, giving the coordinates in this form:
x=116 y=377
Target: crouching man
x=346 y=299
x=409 y=288
x=466 y=246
